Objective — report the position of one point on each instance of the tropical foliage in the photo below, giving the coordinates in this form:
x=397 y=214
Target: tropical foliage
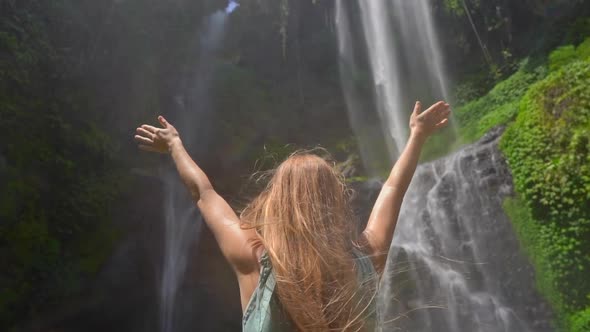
x=547 y=146
x=548 y=150
x=77 y=76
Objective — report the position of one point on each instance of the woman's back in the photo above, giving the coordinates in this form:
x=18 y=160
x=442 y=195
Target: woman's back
x=264 y=312
x=302 y=219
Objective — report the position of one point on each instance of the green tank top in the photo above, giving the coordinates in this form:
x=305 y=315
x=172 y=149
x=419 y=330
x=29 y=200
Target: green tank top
x=264 y=312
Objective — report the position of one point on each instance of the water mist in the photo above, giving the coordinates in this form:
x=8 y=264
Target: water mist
x=455 y=264
x=191 y=114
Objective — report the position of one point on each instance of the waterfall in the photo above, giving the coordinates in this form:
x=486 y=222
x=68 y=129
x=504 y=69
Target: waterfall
x=383 y=62
x=455 y=264
x=190 y=116
x=403 y=59
x=368 y=130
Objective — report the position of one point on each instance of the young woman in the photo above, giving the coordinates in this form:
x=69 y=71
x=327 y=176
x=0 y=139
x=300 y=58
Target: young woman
x=299 y=265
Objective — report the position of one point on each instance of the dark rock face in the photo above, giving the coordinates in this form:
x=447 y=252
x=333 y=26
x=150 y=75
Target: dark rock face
x=456 y=264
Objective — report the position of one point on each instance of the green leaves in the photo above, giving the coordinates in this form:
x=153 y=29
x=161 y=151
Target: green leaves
x=499 y=106
x=568 y=54
x=547 y=149
x=60 y=166
x=561 y=56
x=580 y=321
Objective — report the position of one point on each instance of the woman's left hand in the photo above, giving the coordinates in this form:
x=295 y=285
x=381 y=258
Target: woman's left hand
x=424 y=124
x=155 y=139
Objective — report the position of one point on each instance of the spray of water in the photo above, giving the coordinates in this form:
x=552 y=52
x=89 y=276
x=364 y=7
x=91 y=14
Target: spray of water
x=233 y=5
x=403 y=63
x=192 y=110
x=367 y=130
x=384 y=62
x=455 y=264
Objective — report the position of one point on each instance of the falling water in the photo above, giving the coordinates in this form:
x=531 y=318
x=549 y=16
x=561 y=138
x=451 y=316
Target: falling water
x=368 y=130
x=403 y=59
x=456 y=263
x=191 y=112
x=386 y=76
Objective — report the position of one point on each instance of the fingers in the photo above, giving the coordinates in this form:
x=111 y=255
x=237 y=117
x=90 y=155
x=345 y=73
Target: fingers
x=444 y=113
x=439 y=107
x=143 y=140
x=418 y=108
x=442 y=118
x=163 y=121
x=436 y=107
x=149 y=128
x=145 y=133
x=442 y=124
x=440 y=110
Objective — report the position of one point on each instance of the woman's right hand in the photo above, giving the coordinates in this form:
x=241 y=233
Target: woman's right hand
x=155 y=139
x=424 y=124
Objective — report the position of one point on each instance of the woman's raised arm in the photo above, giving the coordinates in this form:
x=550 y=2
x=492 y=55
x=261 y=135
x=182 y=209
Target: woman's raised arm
x=381 y=225
x=235 y=242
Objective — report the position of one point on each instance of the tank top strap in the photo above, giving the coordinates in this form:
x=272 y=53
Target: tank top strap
x=264 y=313
x=257 y=314
x=369 y=282
x=364 y=265
x=267 y=289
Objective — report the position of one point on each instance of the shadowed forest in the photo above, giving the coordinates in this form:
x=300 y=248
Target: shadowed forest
x=81 y=209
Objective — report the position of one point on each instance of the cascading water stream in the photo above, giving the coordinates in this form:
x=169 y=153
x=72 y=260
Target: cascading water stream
x=366 y=131
x=456 y=264
x=403 y=59
x=416 y=24
x=383 y=62
x=191 y=112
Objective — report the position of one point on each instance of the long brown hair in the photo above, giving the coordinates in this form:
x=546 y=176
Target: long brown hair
x=304 y=222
